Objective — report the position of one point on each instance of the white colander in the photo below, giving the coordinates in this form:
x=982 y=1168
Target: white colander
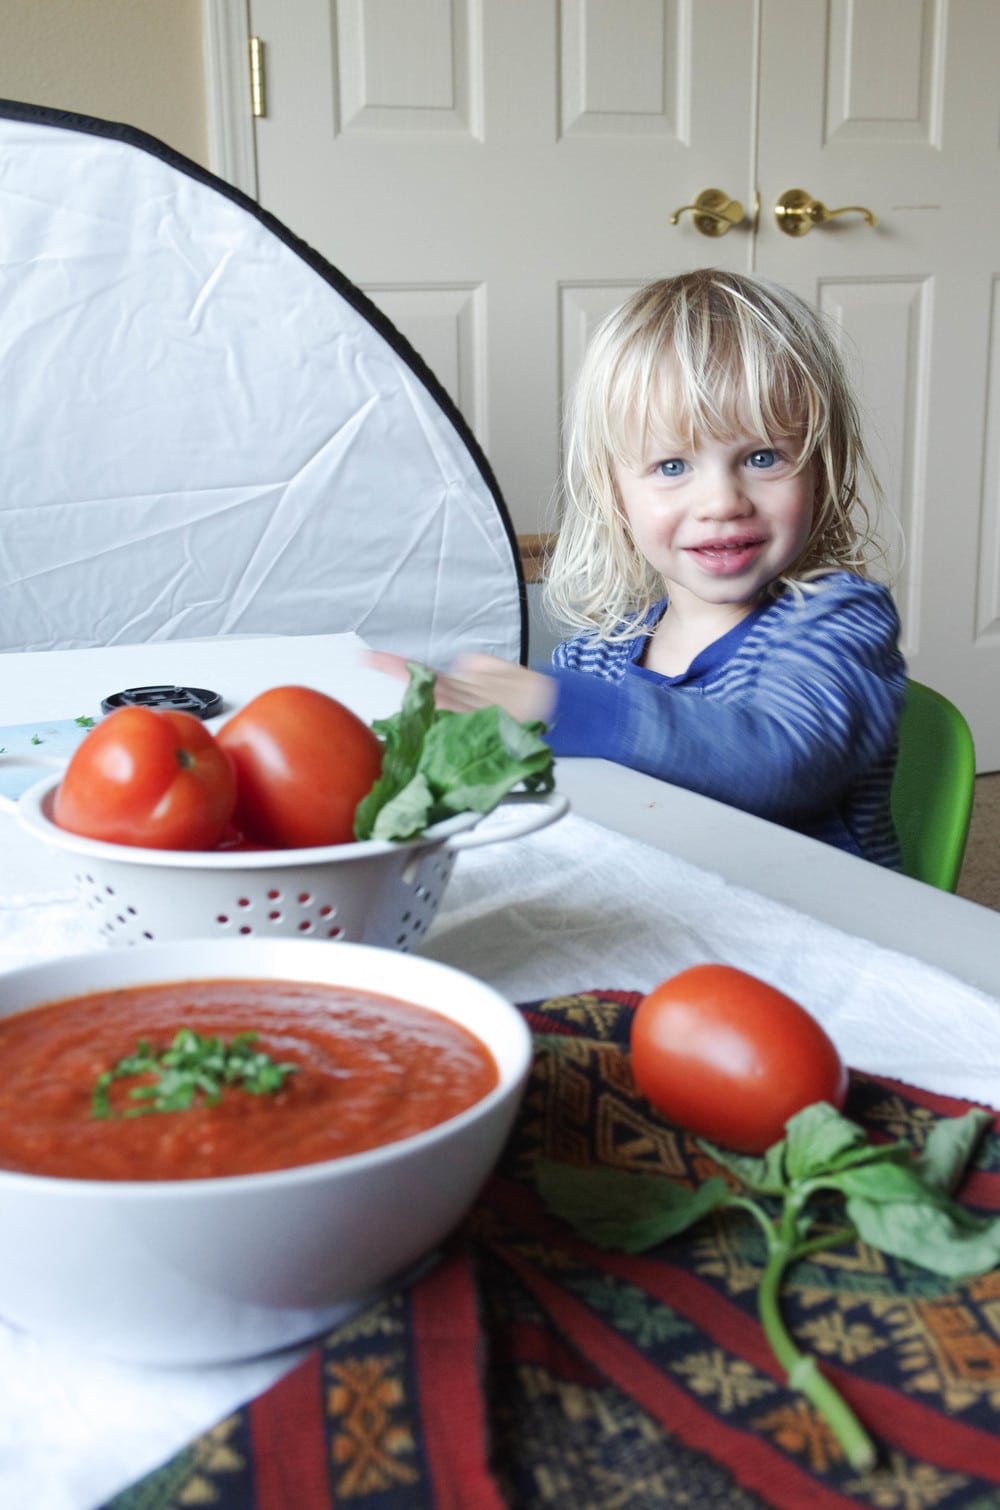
x=374 y=892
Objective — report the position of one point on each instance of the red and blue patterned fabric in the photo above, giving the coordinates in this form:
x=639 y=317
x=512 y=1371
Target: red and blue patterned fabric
x=527 y=1369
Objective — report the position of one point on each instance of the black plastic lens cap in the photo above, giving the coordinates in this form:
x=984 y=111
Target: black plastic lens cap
x=197 y=700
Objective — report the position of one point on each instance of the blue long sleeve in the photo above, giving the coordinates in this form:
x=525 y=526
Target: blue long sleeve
x=798 y=725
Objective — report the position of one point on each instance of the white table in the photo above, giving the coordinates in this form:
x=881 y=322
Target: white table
x=850 y=894
x=906 y=979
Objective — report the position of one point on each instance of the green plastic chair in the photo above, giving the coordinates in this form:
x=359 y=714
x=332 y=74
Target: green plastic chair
x=933 y=788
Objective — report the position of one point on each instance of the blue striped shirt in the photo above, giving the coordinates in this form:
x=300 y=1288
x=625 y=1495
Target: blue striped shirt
x=792 y=715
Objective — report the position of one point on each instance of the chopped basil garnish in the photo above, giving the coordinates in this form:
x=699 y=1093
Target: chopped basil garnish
x=193 y=1071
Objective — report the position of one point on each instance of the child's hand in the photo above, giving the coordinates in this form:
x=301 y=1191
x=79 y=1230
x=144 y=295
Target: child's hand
x=478 y=681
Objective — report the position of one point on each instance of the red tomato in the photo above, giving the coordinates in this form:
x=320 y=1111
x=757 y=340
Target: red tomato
x=730 y=1058
x=148 y=777
x=303 y=762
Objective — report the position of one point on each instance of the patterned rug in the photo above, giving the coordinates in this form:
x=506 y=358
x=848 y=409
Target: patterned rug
x=527 y=1369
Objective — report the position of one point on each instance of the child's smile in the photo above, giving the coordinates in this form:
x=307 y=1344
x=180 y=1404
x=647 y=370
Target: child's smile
x=729 y=556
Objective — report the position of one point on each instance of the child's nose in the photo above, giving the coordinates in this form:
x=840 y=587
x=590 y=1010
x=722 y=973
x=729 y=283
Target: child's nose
x=727 y=496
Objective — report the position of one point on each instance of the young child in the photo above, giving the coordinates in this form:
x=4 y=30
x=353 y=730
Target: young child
x=712 y=557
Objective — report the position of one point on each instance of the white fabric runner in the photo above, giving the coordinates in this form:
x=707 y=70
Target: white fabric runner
x=573 y=907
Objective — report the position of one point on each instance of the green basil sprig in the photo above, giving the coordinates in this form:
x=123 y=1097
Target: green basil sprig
x=894 y=1198
x=437 y=764
x=193 y=1071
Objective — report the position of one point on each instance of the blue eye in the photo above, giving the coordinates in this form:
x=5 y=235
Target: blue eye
x=673 y=468
x=762 y=459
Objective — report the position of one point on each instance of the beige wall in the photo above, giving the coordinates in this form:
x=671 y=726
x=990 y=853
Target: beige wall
x=138 y=61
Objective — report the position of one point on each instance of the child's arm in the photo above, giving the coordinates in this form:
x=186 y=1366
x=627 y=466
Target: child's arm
x=818 y=709
x=782 y=733
x=478 y=681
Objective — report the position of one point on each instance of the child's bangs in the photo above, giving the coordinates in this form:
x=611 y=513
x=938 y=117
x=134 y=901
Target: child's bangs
x=716 y=379
x=781 y=402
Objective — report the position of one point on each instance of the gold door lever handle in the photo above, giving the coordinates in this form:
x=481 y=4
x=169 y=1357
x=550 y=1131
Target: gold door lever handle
x=797 y=212
x=714 y=212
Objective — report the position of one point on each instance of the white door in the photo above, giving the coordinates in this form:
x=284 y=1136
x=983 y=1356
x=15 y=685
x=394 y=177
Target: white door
x=495 y=174
x=895 y=105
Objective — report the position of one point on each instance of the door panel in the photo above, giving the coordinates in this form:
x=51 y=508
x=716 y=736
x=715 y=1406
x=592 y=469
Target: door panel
x=621 y=69
x=883 y=325
x=446 y=326
x=883 y=74
x=409 y=65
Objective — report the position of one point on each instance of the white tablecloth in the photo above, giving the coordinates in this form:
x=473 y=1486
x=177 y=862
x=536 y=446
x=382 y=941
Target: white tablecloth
x=577 y=906
x=572 y=907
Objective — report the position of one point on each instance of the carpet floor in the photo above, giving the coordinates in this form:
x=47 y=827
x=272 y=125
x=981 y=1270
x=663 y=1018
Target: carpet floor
x=980 y=878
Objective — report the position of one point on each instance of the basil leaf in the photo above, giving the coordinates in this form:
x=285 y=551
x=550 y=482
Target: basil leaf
x=630 y=1212
x=943 y=1238
x=472 y=760
x=437 y=763
x=949 y=1147
x=765 y=1175
x=888 y=1184
x=403 y=738
x=818 y=1137
x=407 y=814
x=894 y=1209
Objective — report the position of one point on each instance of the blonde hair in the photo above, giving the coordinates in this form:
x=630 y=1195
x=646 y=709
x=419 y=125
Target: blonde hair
x=712 y=354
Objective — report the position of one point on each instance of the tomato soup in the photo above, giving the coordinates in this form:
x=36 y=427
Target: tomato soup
x=368 y=1070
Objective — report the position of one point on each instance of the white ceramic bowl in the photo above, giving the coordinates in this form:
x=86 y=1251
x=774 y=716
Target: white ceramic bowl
x=207 y=1271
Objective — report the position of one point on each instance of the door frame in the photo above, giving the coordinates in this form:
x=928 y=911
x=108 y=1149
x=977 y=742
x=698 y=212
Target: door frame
x=232 y=152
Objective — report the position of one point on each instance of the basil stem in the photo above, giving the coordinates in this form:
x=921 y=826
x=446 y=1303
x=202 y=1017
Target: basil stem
x=784 y=1247
x=801 y=1370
